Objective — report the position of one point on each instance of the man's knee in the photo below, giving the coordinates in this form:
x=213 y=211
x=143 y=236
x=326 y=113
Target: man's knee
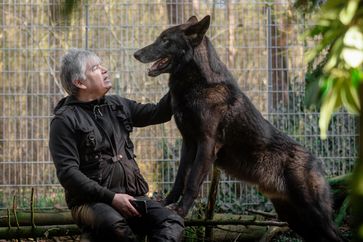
x=171 y=229
x=122 y=232
x=103 y=222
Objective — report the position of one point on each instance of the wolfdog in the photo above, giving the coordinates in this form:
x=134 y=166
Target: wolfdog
x=219 y=125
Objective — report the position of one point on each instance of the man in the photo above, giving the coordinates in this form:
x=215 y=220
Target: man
x=93 y=154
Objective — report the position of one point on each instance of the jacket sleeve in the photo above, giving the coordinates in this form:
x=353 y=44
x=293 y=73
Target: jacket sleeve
x=63 y=148
x=148 y=114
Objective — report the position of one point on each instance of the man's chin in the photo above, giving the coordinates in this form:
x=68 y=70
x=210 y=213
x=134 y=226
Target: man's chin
x=108 y=88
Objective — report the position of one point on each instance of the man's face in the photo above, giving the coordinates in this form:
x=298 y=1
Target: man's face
x=97 y=81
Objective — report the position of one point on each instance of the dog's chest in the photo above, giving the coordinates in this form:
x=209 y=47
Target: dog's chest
x=185 y=116
x=187 y=110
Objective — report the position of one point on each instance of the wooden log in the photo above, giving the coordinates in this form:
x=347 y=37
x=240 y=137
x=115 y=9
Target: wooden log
x=221 y=233
x=215 y=222
x=62 y=218
x=39 y=231
x=38 y=218
x=228 y=233
x=60 y=222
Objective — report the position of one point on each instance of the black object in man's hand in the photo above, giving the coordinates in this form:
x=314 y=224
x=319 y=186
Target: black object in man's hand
x=140 y=206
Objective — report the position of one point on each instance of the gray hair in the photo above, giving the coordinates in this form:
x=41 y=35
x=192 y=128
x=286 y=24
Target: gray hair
x=73 y=67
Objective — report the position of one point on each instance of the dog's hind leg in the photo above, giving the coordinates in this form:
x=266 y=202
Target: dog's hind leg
x=188 y=152
x=308 y=224
x=308 y=207
x=288 y=213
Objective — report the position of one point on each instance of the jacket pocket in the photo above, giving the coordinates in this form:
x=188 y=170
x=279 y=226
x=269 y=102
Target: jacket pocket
x=127 y=126
x=141 y=184
x=87 y=139
x=90 y=160
x=135 y=184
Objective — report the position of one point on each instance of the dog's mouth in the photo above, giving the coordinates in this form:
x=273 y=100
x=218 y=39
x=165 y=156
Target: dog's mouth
x=159 y=66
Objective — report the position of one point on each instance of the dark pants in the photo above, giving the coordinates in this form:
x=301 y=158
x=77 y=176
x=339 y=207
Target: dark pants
x=105 y=224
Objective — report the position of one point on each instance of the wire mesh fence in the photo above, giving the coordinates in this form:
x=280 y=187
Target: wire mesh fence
x=259 y=41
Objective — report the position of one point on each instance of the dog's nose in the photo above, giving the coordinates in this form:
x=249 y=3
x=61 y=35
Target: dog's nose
x=137 y=55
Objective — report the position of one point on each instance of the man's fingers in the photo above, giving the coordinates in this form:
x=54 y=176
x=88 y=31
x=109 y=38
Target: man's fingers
x=124 y=206
x=133 y=210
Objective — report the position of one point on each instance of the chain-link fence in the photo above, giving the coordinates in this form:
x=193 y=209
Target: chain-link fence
x=260 y=42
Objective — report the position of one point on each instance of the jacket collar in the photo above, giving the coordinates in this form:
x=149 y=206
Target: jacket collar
x=72 y=100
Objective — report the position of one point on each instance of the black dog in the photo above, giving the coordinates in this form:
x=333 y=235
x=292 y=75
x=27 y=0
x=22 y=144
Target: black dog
x=220 y=125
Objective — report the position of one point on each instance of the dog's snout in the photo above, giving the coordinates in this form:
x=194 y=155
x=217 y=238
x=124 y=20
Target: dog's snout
x=137 y=55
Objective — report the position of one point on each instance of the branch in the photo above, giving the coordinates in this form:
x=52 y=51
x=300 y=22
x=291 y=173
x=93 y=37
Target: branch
x=265 y=214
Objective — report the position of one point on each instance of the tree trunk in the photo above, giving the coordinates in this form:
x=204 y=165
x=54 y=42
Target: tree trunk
x=231 y=50
x=278 y=68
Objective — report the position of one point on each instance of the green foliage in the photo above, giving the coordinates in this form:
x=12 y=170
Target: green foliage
x=339 y=27
x=334 y=83
x=307 y=5
x=195 y=233
x=313 y=92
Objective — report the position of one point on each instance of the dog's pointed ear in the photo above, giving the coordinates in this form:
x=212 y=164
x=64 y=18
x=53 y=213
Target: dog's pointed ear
x=196 y=32
x=192 y=20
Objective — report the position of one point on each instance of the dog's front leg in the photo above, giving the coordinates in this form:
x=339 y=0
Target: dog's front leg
x=188 y=152
x=206 y=155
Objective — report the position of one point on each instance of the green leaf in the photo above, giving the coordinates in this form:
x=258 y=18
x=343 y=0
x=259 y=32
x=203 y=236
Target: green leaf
x=350 y=98
x=332 y=62
x=333 y=4
x=317 y=30
x=310 y=55
x=356 y=77
x=352 y=56
x=326 y=86
x=354 y=38
x=330 y=103
x=347 y=13
x=333 y=56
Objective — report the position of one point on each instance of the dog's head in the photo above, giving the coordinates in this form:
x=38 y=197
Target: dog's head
x=174 y=46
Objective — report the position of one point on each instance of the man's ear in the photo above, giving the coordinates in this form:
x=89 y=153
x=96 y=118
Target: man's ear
x=196 y=32
x=79 y=84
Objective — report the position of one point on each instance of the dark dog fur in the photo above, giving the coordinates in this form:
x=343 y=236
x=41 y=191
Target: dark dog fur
x=220 y=125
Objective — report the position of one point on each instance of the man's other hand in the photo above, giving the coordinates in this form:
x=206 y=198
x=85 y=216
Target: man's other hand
x=121 y=202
